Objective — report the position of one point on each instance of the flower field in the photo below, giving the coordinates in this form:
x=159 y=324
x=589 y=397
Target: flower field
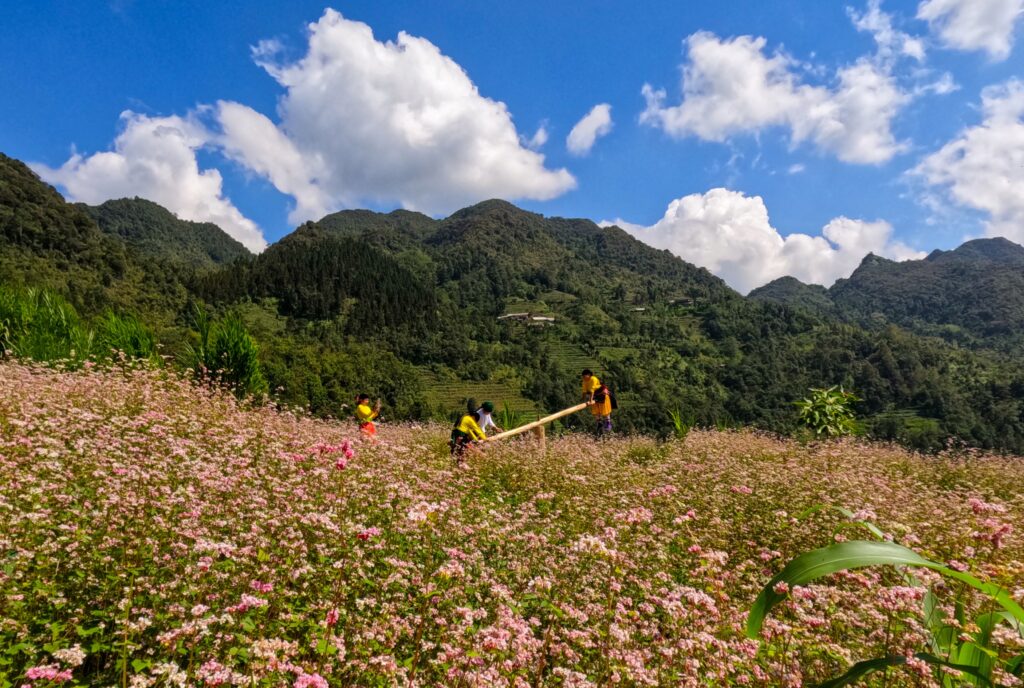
x=157 y=533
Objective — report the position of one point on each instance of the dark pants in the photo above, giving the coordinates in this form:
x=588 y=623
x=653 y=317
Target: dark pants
x=459 y=442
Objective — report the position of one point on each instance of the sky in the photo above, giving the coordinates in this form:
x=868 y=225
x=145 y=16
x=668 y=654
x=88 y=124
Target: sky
x=757 y=139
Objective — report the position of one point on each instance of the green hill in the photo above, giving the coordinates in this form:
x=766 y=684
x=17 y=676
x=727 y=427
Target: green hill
x=47 y=242
x=408 y=308
x=972 y=295
x=792 y=292
x=152 y=230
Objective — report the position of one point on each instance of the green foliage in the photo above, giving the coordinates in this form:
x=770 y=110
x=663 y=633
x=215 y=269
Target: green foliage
x=40 y=325
x=680 y=427
x=971 y=653
x=509 y=418
x=828 y=411
x=154 y=231
x=127 y=335
x=227 y=354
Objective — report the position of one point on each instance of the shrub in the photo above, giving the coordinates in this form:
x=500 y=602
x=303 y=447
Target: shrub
x=827 y=412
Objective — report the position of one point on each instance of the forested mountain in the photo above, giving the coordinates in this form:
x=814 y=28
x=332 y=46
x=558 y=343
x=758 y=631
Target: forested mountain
x=155 y=231
x=45 y=241
x=409 y=308
x=790 y=291
x=972 y=295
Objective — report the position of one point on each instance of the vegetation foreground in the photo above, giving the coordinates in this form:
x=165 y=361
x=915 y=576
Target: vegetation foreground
x=156 y=532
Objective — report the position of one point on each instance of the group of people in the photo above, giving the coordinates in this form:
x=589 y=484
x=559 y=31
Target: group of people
x=473 y=425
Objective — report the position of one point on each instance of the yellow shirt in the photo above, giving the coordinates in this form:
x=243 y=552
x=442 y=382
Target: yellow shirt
x=365 y=414
x=600 y=408
x=469 y=426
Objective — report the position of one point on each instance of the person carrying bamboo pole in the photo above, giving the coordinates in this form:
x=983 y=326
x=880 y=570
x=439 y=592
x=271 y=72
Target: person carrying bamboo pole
x=599 y=397
x=466 y=431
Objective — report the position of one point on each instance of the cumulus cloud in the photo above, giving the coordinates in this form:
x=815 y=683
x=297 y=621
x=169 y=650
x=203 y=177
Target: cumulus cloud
x=397 y=121
x=986 y=25
x=594 y=125
x=252 y=139
x=155 y=158
x=730 y=86
x=730 y=234
x=983 y=167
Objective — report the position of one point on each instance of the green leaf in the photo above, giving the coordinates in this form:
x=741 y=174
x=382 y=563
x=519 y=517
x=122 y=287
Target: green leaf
x=822 y=562
x=869 y=666
x=862 y=669
x=859 y=554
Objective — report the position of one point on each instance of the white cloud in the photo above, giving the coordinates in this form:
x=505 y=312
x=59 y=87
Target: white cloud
x=594 y=125
x=730 y=234
x=539 y=138
x=363 y=120
x=253 y=140
x=986 y=25
x=796 y=168
x=732 y=87
x=155 y=158
x=983 y=167
x=891 y=41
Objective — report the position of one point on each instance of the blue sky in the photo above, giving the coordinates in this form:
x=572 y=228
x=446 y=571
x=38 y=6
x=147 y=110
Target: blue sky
x=893 y=127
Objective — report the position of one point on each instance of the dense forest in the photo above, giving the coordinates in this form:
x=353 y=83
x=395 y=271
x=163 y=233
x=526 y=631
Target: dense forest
x=409 y=308
x=972 y=295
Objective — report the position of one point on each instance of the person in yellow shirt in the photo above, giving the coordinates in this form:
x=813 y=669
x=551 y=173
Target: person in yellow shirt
x=600 y=399
x=366 y=415
x=466 y=431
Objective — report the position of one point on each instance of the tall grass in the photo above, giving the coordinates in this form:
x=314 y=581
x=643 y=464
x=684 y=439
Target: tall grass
x=40 y=325
x=126 y=335
x=227 y=353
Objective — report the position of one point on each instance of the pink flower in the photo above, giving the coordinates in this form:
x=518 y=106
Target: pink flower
x=48 y=672
x=332 y=618
x=781 y=588
x=741 y=489
x=310 y=681
x=261 y=587
x=341 y=463
x=694 y=549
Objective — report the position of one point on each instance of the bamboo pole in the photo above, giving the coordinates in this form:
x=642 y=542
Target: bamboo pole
x=538 y=423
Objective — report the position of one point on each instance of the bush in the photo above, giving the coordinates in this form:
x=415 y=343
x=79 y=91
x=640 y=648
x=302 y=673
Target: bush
x=828 y=412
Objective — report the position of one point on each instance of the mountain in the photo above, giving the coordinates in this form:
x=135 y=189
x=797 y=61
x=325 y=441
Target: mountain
x=790 y=291
x=155 y=231
x=409 y=308
x=47 y=242
x=972 y=295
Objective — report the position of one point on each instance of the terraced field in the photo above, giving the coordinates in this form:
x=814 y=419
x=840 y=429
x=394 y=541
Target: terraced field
x=572 y=357
x=451 y=395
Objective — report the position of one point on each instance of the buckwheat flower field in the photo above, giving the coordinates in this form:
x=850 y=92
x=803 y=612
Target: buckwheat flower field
x=156 y=533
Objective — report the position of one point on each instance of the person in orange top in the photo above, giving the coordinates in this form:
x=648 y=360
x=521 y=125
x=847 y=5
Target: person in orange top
x=366 y=415
x=600 y=399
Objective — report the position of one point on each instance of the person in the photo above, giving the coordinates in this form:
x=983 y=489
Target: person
x=466 y=431
x=484 y=418
x=366 y=415
x=600 y=399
